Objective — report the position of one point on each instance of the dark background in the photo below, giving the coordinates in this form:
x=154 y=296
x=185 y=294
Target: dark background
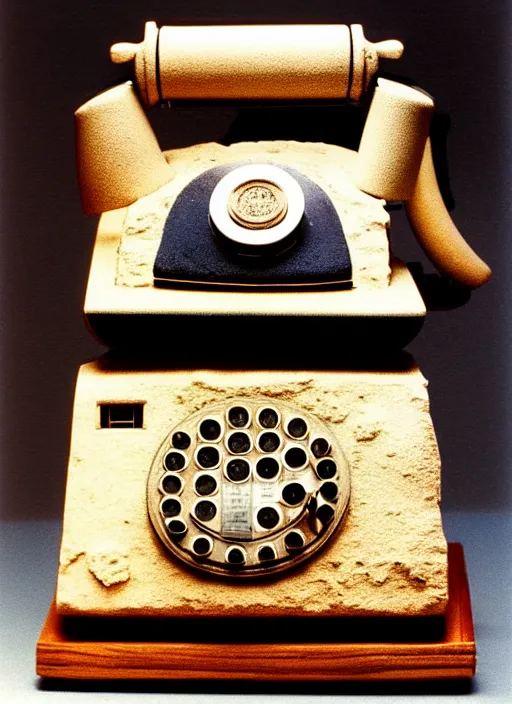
x=55 y=57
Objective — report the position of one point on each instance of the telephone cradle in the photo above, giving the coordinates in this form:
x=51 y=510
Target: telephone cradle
x=253 y=486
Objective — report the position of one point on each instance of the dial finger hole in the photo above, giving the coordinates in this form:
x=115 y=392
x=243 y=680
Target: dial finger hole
x=205 y=485
x=208 y=457
x=236 y=556
x=320 y=447
x=329 y=491
x=239 y=417
x=181 y=440
x=171 y=484
x=210 y=430
x=267 y=553
x=175 y=461
x=268 y=441
x=294 y=540
x=297 y=428
x=268 y=418
x=239 y=442
x=202 y=546
x=170 y=508
x=293 y=494
x=325 y=514
x=176 y=527
x=295 y=457
x=238 y=470
x=205 y=511
x=268 y=517
x=326 y=469
x=267 y=468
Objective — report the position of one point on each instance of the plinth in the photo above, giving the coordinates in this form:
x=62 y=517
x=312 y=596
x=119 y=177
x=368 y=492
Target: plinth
x=266 y=649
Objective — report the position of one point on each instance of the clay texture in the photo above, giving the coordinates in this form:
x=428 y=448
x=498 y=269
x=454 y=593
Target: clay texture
x=388 y=558
x=117 y=154
x=437 y=233
x=255 y=61
x=364 y=219
x=393 y=140
x=395 y=163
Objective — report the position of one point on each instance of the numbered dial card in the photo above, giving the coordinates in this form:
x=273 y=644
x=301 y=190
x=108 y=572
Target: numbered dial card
x=247 y=488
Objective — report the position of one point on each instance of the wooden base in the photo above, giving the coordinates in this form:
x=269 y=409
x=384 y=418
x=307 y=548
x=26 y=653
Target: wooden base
x=266 y=649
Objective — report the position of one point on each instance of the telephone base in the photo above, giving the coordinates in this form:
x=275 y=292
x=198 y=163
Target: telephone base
x=353 y=649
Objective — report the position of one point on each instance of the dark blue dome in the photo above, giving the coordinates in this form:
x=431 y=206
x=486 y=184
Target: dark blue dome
x=190 y=252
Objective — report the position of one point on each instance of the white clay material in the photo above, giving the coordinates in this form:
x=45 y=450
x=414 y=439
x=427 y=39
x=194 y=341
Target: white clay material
x=254 y=62
x=388 y=558
x=393 y=140
x=118 y=157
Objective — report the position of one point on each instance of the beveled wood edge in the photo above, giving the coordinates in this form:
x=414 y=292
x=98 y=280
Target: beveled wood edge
x=454 y=657
x=459 y=616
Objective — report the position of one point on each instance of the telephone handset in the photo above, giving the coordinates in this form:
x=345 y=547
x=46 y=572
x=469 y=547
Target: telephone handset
x=119 y=159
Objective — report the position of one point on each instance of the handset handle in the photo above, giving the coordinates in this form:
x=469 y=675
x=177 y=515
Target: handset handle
x=254 y=62
x=436 y=232
x=395 y=163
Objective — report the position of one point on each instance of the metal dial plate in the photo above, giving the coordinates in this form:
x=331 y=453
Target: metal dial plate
x=247 y=487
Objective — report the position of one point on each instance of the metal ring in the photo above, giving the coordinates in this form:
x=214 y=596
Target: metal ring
x=226 y=225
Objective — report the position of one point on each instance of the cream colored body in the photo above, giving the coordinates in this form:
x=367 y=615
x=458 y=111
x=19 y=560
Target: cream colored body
x=121 y=275
x=388 y=558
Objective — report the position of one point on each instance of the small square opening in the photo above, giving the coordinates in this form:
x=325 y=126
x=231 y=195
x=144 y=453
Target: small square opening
x=121 y=415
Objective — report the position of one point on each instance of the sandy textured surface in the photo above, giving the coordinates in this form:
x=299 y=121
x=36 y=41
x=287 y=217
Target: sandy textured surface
x=364 y=219
x=389 y=557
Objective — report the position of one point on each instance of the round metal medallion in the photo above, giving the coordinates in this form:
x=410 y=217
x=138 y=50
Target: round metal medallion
x=247 y=487
x=257 y=205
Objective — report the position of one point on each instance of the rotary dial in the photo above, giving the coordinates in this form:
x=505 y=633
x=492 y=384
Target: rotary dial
x=247 y=487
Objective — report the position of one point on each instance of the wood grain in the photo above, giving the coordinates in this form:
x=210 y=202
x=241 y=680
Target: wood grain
x=451 y=656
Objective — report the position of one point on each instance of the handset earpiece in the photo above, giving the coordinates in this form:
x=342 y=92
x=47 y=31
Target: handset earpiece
x=118 y=156
x=395 y=163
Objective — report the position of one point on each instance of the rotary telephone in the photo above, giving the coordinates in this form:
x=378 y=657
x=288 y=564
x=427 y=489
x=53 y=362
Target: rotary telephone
x=199 y=467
